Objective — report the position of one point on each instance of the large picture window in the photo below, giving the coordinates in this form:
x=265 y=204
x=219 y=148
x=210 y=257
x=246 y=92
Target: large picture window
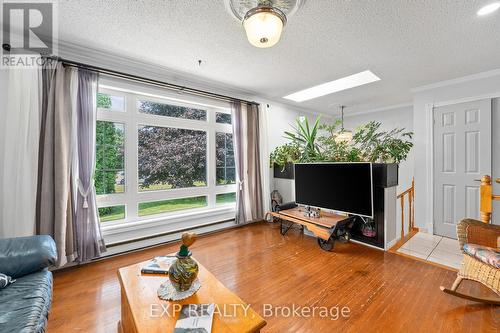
x=157 y=156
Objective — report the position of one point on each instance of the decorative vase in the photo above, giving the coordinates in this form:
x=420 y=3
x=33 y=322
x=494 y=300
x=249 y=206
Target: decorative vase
x=184 y=270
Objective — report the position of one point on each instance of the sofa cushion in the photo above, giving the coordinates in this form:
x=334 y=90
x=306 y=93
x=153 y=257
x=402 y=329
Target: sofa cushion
x=5 y=280
x=488 y=255
x=25 y=304
x=24 y=255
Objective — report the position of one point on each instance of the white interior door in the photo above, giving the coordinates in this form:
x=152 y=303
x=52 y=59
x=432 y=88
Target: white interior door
x=462 y=153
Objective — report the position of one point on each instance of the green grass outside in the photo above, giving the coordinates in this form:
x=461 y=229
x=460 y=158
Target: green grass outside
x=165 y=186
x=225 y=198
x=112 y=213
x=158 y=207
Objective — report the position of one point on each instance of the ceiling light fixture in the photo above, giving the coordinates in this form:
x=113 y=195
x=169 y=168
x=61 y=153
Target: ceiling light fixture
x=263 y=20
x=343 y=135
x=488 y=9
x=264 y=24
x=331 y=87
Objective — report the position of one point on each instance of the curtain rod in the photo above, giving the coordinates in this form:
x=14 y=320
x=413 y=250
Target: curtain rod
x=171 y=86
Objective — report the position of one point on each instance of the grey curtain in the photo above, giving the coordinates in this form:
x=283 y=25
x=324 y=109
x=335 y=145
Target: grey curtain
x=89 y=239
x=54 y=201
x=66 y=205
x=249 y=201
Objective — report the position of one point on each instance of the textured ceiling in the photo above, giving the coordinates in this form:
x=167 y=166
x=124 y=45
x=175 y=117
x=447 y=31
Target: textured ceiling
x=406 y=43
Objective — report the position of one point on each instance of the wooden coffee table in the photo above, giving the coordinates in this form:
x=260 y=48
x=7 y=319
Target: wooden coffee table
x=143 y=311
x=324 y=227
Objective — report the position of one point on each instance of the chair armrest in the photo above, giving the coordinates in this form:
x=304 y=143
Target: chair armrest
x=25 y=255
x=477 y=232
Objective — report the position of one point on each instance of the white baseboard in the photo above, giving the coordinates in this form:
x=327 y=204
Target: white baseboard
x=391 y=243
x=160 y=240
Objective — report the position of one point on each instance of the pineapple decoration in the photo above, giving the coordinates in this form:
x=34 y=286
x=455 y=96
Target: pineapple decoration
x=184 y=270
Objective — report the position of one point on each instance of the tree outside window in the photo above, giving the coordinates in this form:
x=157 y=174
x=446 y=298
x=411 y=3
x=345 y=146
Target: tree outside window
x=226 y=171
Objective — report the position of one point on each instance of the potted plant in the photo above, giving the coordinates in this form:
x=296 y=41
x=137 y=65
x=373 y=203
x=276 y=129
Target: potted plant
x=282 y=159
x=305 y=138
x=386 y=149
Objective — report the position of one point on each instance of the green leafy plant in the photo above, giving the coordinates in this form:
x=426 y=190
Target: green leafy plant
x=382 y=146
x=305 y=138
x=396 y=149
x=287 y=153
x=333 y=150
x=317 y=143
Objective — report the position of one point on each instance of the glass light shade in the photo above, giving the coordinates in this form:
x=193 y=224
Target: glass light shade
x=263 y=28
x=344 y=136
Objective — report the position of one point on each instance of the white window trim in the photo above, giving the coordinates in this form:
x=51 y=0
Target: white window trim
x=132 y=119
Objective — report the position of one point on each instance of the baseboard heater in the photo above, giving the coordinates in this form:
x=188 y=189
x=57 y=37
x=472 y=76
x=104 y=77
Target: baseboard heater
x=114 y=245
x=168 y=233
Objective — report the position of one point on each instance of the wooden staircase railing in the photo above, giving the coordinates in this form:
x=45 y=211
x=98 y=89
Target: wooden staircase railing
x=410 y=192
x=487 y=197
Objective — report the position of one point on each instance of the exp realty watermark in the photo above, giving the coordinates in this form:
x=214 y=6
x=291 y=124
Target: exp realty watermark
x=268 y=310
x=29 y=31
x=294 y=310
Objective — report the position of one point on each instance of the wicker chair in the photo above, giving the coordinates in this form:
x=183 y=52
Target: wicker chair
x=474 y=234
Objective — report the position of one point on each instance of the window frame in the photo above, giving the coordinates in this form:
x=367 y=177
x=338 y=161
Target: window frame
x=132 y=120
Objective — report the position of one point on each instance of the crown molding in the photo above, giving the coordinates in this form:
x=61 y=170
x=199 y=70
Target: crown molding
x=380 y=109
x=122 y=63
x=135 y=66
x=463 y=79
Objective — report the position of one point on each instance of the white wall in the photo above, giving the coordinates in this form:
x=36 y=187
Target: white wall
x=3 y=107
x=482 y=85
x=4 y=76
x=3 y=86
x=401 y=117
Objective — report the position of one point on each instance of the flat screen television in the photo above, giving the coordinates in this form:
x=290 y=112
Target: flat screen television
x=343 y=187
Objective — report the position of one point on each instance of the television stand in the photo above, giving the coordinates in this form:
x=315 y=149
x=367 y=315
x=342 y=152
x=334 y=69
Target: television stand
x=327 y=228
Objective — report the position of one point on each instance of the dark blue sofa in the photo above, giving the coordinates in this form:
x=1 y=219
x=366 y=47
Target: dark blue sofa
x=25 y=304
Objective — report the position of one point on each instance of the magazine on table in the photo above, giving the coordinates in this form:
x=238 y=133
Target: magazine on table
x=195 y=318
x=158 y=265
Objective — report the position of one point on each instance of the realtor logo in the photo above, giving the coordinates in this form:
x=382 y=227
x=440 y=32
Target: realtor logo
x=28 y=31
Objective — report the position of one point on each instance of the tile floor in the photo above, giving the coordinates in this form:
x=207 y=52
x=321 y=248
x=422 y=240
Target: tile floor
x=441 y=250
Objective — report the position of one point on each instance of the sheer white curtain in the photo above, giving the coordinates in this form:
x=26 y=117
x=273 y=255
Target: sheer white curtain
x=19 y=136
x=89 y=240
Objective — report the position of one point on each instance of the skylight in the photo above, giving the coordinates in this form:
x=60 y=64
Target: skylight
x=331 y=87
x=488 y=9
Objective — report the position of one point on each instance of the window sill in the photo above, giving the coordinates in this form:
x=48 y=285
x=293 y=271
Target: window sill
x=128 y=231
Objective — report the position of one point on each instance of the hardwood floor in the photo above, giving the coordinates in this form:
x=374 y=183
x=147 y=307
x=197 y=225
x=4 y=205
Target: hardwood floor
x=384 y=292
